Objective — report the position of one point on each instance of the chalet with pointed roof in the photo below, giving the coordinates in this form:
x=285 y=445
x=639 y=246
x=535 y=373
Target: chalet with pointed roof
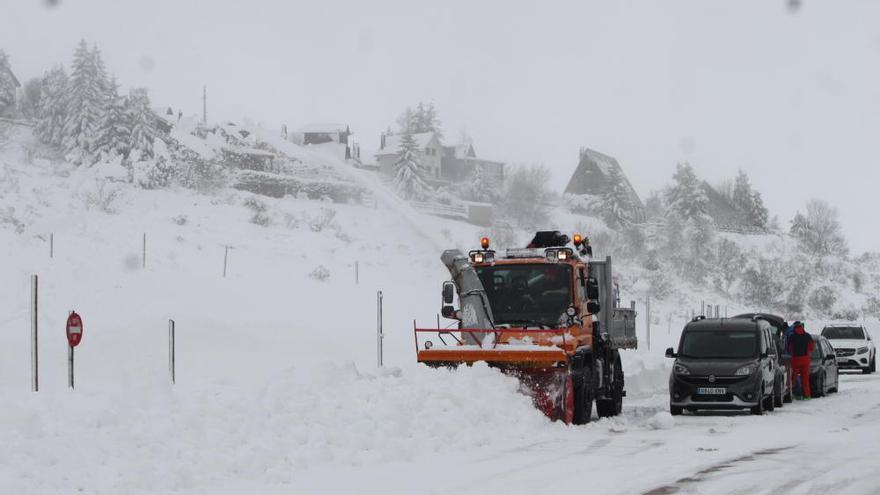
x=429 y=151
x=592 y=178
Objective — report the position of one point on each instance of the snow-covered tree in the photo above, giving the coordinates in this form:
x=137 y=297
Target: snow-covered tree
x=617 y=205
x=7 y=85
x=686 y=198
x=143 y=124
x=85 y=97
x=421 y=119
x=52 y=110
x=113 y=135
x=819 y=231
x=748 y=203
x=407 y=171
x=481 y=187
x=527 y=196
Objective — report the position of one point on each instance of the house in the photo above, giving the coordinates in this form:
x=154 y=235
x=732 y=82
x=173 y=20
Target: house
x=460 y=162
x=429 y=152
x=333 y=139
x=591 y=178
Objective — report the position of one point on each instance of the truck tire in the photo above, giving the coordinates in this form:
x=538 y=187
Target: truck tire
x=613 y=406
x=583 y=397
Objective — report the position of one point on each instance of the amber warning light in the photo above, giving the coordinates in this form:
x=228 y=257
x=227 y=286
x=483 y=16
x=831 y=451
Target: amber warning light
x=484 y=243
x=577 y=239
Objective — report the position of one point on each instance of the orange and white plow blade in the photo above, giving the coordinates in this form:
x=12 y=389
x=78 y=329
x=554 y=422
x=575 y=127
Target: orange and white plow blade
x=533 y=355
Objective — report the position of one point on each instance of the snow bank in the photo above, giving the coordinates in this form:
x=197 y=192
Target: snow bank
x=165 y=439
x=647 y=372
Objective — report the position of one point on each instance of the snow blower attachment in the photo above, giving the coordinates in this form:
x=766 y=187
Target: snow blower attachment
x=545 y=314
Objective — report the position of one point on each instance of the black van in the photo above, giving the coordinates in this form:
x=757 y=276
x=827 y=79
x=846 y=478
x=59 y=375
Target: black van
x=725 y=363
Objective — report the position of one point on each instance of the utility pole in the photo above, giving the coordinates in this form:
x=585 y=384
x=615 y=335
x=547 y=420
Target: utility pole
x=205 y=105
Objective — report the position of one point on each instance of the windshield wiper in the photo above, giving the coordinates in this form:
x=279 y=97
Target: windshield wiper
x=528 y=322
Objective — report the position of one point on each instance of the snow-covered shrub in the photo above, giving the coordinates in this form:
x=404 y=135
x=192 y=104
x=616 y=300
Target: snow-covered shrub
x=291 y=221
x=8 y=218
x=102 y=198
x=321 y=273
x=258 y=209
x=180 y=219
x=202 y=175
x=822 y=299
x=503 y=235
x=154 y=174
x=324 y=219
x=872 y=307
x=583 y=204
x=762 y=284
x=847 y=313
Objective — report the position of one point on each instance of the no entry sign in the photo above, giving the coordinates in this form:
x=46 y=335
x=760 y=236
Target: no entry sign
x=74 y=329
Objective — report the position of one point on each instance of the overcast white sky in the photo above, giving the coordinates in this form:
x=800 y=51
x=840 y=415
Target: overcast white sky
x=791 y=98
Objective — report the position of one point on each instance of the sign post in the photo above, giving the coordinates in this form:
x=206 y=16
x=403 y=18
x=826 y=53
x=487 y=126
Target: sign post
x=74 y=330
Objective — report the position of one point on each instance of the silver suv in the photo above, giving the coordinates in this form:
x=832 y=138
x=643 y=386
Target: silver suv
x=853 y=347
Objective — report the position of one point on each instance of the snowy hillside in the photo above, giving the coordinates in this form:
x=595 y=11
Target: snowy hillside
x=277 y=385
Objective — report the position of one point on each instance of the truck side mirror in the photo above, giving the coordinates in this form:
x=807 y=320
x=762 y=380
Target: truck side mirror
x=448 y=292
x=592 y=289
x=670 y=352
x=593 y=307
x=448 y=311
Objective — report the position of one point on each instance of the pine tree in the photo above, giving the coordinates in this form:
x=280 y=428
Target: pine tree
x=431 y=121
x=7 y=85
x=52 y=111
x=114 y=131
x=407 y=177
x=742 y=198
x=143 y=124
x=686 y=198
x=86 y=93
x=758 y=214
x=617 y=205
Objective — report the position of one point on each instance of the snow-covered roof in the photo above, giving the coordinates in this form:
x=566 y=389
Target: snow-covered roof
x=392 y=142
x=324 y=128
x=461 y=151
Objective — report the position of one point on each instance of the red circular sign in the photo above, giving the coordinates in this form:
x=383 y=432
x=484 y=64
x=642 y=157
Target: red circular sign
x=74 y=329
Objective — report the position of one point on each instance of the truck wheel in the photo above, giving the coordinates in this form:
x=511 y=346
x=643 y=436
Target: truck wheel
x=613 y=406
x=675 y=410
x=583 y=398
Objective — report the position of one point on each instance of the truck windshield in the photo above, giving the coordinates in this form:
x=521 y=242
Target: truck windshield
x=705 y=344
x=527 y=294
x=855 y=333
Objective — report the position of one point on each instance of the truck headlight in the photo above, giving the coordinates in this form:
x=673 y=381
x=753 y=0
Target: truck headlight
x=862 y=350
x=680 y=370
x=746 y=370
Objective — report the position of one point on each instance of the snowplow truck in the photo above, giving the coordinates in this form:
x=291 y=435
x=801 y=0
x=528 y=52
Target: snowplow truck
x=547 y=314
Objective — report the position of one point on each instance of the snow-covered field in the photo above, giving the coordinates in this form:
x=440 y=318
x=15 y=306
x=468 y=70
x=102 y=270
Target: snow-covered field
x=277 y=386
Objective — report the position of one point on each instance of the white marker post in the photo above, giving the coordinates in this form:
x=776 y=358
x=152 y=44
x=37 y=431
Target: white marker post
x=171 y=353
x=379 y=334
x=225 y=260
x=35 y=358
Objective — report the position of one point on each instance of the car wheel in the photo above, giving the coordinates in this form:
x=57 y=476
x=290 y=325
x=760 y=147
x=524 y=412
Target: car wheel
x=788 y=397
x=675 y=410
x=777 y=397
x=874 y=363
x=758 y=410
x=820 y=387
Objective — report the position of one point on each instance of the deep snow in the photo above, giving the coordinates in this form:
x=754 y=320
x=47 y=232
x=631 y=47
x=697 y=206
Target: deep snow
x=277 y=387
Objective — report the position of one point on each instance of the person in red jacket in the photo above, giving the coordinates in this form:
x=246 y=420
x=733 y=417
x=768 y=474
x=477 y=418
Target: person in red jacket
x=800 y=346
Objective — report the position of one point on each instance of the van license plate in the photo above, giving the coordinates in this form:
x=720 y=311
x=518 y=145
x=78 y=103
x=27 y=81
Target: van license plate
x=711 y=390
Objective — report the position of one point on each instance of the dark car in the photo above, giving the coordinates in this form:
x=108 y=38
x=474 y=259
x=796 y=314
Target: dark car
x=725 y=363
x=824 y=377
x=782 y=390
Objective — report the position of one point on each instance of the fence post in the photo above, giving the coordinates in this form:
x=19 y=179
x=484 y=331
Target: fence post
x=35 y=357
x=225 y=260
x=144 y=259
x=356 y=273
x=379 y=334
x=648 y=321
x=52 y=246
x=171 y=351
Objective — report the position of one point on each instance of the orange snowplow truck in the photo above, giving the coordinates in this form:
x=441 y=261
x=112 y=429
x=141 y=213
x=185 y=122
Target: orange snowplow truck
x=547 y=314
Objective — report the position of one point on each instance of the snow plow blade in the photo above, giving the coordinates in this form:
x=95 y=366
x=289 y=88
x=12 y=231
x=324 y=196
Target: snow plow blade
x=546 y=356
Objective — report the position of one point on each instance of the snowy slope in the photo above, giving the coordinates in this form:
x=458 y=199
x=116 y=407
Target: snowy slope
x=277 y=387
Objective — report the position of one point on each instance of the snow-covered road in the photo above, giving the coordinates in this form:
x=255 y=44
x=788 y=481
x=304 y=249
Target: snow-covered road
x=825 y=445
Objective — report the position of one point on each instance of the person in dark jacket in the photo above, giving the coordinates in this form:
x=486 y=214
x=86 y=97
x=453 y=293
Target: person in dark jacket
x=800 y=346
